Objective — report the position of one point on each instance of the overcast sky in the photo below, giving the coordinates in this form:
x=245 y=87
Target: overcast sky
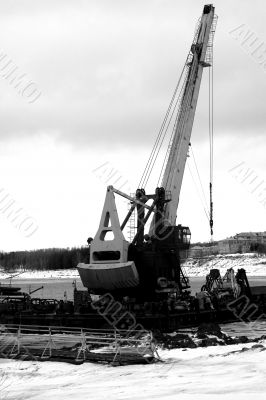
x=104 y=72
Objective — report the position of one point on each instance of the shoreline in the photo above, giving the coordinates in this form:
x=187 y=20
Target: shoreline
x=253 y=263
x=73 y=274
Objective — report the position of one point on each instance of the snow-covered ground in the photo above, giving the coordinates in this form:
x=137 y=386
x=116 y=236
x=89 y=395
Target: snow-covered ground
x=53 y=274
x=235 y=372
x=254 y=264
x=226 y=372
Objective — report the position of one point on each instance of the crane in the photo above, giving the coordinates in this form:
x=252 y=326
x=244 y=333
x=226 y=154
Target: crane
x=173 y=175
x=148 y=268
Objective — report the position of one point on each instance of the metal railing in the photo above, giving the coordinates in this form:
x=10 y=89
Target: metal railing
x=79 y=344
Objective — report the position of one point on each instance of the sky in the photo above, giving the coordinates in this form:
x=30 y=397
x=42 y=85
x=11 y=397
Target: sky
x=99 y=77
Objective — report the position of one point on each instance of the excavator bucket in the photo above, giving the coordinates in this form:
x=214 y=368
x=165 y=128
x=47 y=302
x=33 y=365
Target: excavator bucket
x=109 y=268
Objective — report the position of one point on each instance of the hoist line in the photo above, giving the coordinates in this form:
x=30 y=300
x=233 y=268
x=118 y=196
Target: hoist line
x=160 y=145
x=178 y=102
x=211 y=143
x=168 y=150
x=199 y=177
x=198 y=192
x=157 y=146
x=182 y=120
x=148 y=165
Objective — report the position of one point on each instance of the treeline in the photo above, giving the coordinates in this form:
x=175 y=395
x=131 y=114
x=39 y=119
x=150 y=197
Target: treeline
x=44 y=259
x=204 y=244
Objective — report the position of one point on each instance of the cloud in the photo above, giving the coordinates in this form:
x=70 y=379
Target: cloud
x=107 y=70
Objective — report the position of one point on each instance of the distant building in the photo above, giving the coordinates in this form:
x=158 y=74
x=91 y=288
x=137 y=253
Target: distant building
x=244 y=242
x=259 y=237
x=202 y=251
x=231 y=246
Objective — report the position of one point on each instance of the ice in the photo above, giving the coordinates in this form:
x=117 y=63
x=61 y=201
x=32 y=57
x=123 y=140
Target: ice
x=225 y=372
x=204 y=373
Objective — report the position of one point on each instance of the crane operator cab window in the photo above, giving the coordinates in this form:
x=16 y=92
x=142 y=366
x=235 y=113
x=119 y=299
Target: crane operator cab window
x=186 y=235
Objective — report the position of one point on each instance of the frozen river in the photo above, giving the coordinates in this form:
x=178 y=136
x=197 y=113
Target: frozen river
x=224 y=372
x=57 y=287
x=227 y=372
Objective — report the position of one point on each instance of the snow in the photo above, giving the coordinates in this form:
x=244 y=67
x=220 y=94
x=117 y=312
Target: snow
x=226 y=372
x=253 y=263
x=53 y=274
